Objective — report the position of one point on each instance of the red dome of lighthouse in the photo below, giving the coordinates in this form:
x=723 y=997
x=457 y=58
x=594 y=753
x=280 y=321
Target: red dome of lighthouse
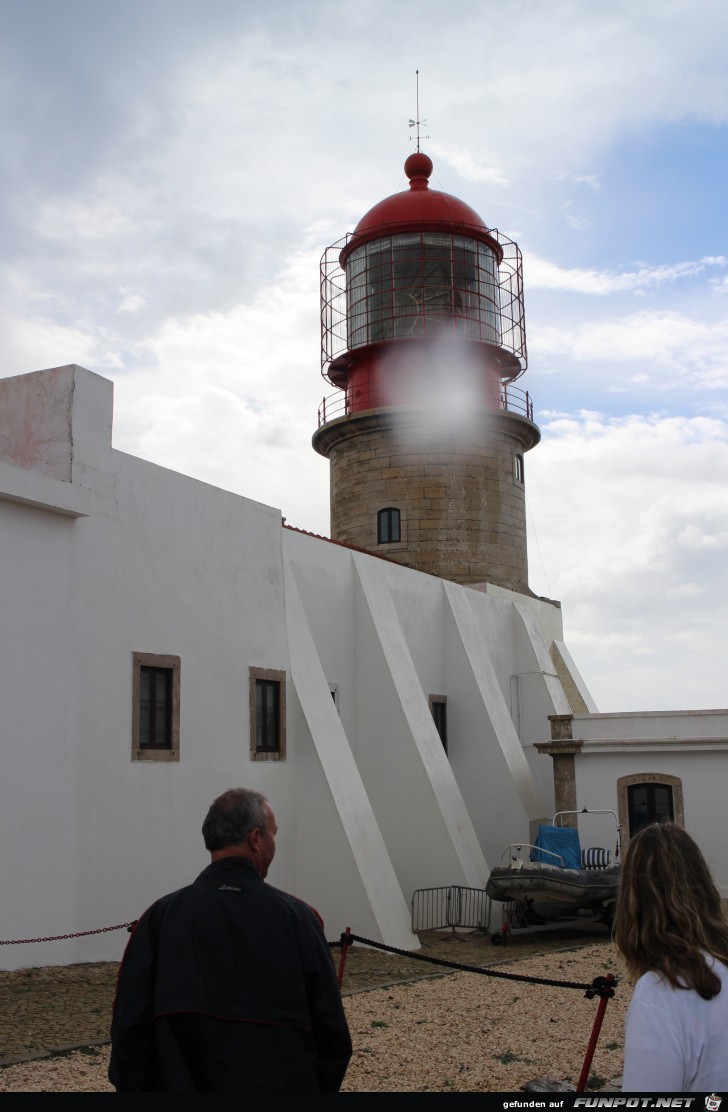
x=421 y=207
x=420 y=264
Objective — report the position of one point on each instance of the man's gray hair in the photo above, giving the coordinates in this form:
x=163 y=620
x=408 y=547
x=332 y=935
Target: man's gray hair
x=232 y=816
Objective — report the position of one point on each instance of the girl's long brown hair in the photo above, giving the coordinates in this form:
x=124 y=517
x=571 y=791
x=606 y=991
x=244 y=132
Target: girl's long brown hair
x=668 y=910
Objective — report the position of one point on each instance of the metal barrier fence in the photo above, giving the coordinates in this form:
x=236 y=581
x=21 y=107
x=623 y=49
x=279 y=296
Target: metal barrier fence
x=435 y=908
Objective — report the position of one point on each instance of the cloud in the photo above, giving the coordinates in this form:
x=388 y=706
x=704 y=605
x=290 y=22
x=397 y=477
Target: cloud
x=579 y=223
x=594 y=181
x=630 y=518
x=32 y=343
x=691 y=350
x=543 y=274
x=131 y=302
x=470 y=166
x=231 y=397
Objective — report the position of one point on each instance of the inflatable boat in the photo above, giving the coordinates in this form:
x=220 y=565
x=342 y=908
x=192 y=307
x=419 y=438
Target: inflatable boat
x=554 y=883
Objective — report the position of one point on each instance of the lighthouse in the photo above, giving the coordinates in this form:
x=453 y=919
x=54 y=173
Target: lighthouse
x=423 y=337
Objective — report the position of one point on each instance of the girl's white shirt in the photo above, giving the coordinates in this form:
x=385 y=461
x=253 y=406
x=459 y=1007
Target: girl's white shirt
x=676 y=1042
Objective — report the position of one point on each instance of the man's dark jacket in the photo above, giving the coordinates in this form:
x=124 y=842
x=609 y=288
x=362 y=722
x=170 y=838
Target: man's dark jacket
x=226 y=986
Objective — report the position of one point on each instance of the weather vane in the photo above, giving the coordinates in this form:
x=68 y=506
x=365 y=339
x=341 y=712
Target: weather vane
x=416 y=123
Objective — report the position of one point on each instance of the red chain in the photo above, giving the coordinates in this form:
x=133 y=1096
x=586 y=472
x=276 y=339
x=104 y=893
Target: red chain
x=60 y=937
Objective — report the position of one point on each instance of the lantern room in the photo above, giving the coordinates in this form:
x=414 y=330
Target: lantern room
x=420 y=266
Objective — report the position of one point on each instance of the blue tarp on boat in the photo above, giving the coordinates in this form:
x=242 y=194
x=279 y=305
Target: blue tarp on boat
x=561 y=840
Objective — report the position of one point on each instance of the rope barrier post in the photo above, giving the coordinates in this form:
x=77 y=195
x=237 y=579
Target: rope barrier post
x=603 y=987
x=346 y=941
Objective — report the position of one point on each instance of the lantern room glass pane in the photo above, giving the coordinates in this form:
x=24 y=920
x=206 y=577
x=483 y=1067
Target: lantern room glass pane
x=422 y=284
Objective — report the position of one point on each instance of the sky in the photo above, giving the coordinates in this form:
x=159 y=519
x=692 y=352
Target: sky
x=171 y=172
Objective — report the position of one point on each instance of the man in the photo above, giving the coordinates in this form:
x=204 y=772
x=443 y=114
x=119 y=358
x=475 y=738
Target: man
x=228 y=985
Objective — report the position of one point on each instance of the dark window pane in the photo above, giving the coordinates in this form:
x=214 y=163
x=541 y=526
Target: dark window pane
x=155 y=708
x=662 y=807
x=161 y=708
x=259 y=714
x=388 y=527
x=638 y=813
x=439 y=713
x=144 y=705
x=267 y=706
x=648 y=803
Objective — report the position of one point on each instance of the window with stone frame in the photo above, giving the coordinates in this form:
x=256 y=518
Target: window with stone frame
x=267 y=694
x=155 y=731
x=648 y=797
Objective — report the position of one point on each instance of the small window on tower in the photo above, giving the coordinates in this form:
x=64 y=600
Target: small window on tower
x=519 y=472
x=388 y=526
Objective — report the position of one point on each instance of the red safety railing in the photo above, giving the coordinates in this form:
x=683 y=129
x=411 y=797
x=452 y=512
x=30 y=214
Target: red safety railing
x=456 y=283
x=344 y=403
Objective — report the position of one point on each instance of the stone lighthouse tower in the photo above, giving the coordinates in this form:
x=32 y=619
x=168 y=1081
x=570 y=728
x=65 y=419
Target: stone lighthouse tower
x=423 y=336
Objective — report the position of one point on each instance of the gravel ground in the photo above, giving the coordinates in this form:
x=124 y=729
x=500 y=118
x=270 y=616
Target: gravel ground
x=460 y=1032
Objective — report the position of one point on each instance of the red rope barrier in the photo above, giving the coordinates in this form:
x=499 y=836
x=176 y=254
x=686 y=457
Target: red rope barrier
x=345 y=944
x=606 y=992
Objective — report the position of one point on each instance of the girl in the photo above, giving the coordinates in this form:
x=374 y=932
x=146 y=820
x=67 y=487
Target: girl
x=674 y=938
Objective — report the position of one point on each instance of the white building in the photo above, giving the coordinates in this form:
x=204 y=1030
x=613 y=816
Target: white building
x=110 y=565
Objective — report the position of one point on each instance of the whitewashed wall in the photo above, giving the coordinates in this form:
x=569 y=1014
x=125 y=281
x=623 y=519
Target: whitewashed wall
x=104 y=555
